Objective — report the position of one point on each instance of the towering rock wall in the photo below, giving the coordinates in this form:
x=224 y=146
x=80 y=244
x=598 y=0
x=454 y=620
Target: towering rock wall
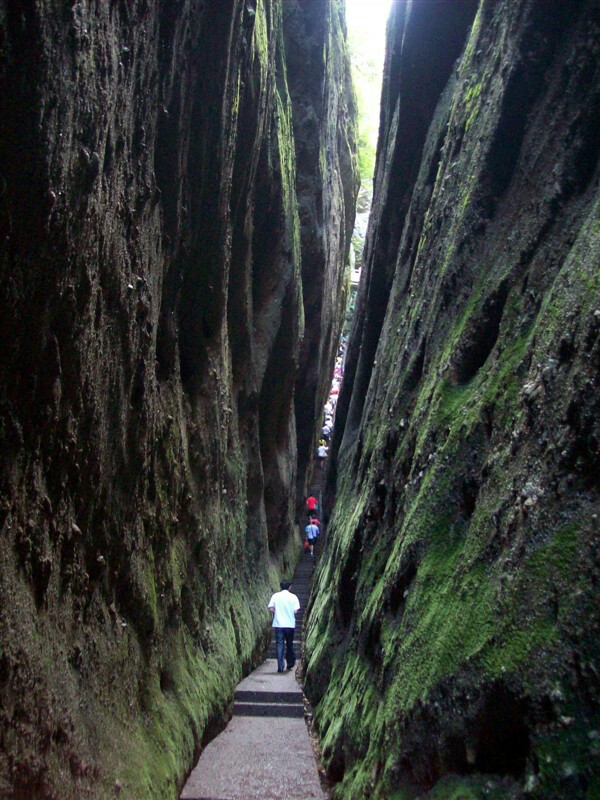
x=151 y=318
x=453 y=643
x=324 y=115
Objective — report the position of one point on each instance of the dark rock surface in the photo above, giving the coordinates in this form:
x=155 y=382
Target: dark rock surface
x=454 y=646
x=327 y=187
x=151 y=315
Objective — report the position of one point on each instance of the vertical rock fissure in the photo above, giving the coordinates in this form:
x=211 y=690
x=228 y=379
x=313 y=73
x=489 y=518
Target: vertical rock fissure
x=327 y=184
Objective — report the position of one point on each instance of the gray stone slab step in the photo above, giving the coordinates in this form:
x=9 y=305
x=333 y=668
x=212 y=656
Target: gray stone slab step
x=267 y=710
x=268 y=697
x=241 y=762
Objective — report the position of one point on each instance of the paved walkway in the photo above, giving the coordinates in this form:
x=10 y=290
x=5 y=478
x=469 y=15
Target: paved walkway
x=265 y=752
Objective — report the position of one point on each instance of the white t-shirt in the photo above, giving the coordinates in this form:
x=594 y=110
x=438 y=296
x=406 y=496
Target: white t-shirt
x=285 y=604
x=321 y=451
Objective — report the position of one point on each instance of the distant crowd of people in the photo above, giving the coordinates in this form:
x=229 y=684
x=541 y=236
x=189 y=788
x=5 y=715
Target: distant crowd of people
x=312 y=530
x=330 y=405
x=284 y=605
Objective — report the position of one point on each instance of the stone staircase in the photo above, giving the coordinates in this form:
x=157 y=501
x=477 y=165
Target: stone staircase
x=265 y=753
x=301 y=584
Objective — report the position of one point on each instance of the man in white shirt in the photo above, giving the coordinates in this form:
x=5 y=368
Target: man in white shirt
x=322 y=455
x=284 y=605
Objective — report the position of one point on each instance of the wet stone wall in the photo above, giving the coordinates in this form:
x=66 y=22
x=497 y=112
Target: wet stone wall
x=453 y=644
x=151 y=315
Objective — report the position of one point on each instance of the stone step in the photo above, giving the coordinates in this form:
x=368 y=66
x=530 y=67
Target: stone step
x=267 y=710
x=289 y=698
x=267 y=730
x=262 y=710
x=272 y=651
x=298 y=630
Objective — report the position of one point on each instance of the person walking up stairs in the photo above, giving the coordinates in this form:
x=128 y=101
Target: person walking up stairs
x=265 y=751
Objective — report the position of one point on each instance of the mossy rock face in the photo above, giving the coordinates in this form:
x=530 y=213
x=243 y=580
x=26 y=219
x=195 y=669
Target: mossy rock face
x=151 y=318
x=453 y=644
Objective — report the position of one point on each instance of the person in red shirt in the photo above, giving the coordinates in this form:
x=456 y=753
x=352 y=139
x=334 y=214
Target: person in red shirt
x=312 y=504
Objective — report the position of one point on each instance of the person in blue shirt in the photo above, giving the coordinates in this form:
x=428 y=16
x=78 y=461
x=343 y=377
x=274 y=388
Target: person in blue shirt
x=311 y=531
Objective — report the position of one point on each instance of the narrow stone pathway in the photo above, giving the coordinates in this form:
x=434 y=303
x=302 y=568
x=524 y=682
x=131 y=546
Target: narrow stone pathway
x=316 y=489
x=265 y=753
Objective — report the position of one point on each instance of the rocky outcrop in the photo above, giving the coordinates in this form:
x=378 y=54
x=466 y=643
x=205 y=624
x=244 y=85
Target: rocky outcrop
x=453 y=643
x=324 y=115
x=151 y=320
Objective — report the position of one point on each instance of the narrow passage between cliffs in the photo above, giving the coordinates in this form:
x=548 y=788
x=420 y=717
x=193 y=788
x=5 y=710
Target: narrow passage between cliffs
x=242 y=763
x=269 y=704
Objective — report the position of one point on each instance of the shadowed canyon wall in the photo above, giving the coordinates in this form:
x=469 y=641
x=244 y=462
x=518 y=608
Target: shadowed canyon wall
x=453 y=643
x=151 y=319
x=327 y=186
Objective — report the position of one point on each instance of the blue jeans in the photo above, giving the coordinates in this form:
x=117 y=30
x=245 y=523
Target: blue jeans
x=285 y=636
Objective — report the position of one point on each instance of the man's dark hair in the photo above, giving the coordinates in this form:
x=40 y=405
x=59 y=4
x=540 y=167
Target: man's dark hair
x=285 y=584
